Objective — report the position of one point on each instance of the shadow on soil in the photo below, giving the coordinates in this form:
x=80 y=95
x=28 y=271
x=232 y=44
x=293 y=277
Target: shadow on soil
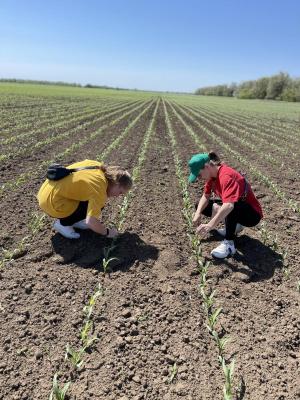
x=252 y=258
x=88 y=250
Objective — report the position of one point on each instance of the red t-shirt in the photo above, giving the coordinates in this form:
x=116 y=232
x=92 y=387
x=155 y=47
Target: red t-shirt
x=229 y=185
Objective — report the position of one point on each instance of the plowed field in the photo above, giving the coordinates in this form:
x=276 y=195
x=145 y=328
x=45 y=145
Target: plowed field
x=149 y=320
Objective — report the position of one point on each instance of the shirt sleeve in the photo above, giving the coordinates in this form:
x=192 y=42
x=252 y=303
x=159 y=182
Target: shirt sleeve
x=97 y=199
x=208 y=187
x=94 y=207
x=230 y=190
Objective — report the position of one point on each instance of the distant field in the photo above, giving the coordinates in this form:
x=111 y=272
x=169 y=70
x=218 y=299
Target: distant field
x=151 y=317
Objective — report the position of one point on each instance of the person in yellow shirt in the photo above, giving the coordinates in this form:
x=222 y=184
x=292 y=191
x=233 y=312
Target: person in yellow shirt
x=76 y=201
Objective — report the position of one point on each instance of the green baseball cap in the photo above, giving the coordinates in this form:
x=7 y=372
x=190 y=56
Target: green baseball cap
x=197 y=163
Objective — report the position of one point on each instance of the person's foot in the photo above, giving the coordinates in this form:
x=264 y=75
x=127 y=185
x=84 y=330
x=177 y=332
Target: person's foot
x=81 y=225
x=238 y=229
x=225 y=249
x=66 y=231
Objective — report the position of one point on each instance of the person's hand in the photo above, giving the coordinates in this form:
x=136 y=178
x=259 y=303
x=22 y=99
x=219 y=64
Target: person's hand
x=196 y=219
x=112 y=232
x=204 y=229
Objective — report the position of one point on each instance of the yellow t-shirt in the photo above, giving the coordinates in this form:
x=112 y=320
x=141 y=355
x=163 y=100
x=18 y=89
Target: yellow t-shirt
x=61 y=198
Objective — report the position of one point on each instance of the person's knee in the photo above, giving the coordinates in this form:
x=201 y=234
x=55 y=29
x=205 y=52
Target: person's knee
x=215 y=208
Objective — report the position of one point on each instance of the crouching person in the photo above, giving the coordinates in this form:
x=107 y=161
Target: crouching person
x=234 y=202
x=76 y=200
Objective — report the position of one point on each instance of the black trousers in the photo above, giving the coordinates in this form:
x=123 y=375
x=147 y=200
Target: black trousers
x=242 y=213
x=78 y=215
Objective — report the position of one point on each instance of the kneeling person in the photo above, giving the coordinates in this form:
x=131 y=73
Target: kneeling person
x=76 y=201
x=235 y=204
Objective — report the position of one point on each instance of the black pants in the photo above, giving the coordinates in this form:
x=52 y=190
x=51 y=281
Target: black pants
x=78 y=215
x=242 y=213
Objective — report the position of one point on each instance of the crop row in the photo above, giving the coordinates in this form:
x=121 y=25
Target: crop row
x=13 y=120
x=76 y=357
x=264 y=179
x=207 y=294
x=81 y=123
x=238 y=135
x=250 y=112
x=264 y=121
x=64 y=122
x=255 y=131
x=24 y=121
x=268 y=111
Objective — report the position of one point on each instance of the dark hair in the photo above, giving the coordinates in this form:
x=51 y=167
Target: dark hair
x=214 y=159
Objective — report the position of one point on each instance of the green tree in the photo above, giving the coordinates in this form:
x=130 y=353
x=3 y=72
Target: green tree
x=260 y=88
x=276 y=85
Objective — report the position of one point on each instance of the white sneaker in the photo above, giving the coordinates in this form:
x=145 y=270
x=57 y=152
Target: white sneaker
x=225 y=249
x=238 y=229
x=80 y=225
x=66 y=231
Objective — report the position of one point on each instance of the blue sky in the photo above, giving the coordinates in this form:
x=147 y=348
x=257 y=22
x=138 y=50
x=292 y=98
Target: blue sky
x=156 y=45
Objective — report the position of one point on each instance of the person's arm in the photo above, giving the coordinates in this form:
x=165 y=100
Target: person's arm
x=96 y=203
x=222 y=213
x=203 y=202
x=95 y=225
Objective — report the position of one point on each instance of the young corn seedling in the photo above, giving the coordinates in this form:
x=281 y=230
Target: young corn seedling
x=212 y=319
x=74 y=356
x=264 y=234
x=274 y=243
x=208 y=300
x=142 y=317
x=9 y=255
x=88 y=309
x=188 y=219
x=173 y=372
x=36 y=223
x=285 y=267
x=202 y=265
x=123 y=210
x=221 y=342
x=298 y=286
x=196 y=250
x=203 y=275
x=106 y=259
x=85 y=337
x=58 y=393
x=228 y=372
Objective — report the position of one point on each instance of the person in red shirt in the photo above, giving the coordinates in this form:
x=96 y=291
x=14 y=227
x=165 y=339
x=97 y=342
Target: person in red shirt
x=227 y=197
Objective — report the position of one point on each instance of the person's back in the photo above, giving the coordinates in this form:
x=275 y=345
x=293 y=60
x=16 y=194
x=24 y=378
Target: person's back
x=77 y=199
x=59 y=198
x=230 y=186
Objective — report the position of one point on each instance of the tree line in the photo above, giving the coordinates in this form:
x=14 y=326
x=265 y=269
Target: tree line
x=58 y=83
x=277 y=87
